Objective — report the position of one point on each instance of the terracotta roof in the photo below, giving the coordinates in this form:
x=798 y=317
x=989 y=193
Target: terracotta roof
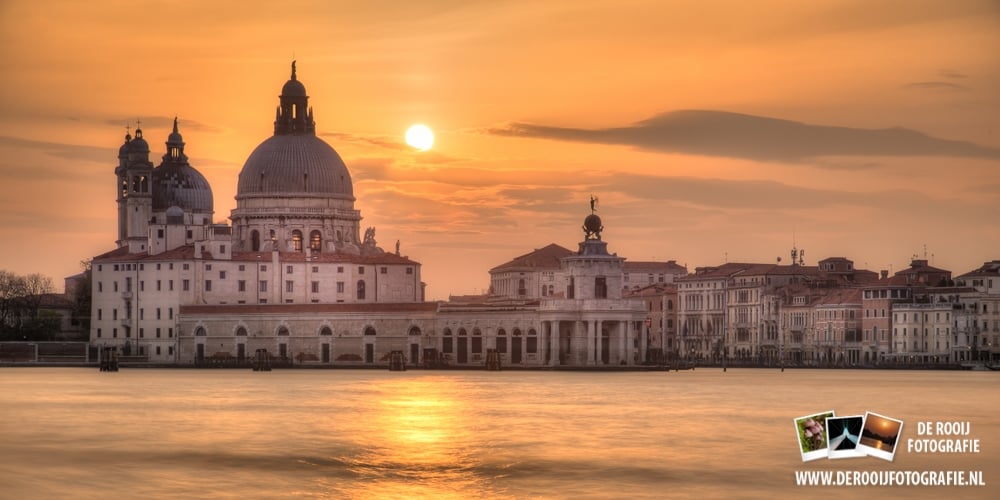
x=991 y=268
x=548 y=257
x=671 y=266
x=723 y=271
x=186 y=252
x=308 y=308
x=841 y=296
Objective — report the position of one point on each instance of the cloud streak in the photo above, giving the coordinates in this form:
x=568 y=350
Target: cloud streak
x=735 y=135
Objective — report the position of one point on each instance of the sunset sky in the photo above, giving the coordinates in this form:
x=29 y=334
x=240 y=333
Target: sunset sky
x=710 y=130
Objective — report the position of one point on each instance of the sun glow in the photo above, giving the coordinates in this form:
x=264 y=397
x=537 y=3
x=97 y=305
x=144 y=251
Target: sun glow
x=420 y=136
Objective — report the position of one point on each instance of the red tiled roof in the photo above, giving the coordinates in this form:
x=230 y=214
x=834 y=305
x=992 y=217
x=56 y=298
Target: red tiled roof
x=548 y=257
x=638 y=265
x=308 y=308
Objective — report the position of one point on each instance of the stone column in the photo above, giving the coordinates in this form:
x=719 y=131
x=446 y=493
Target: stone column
x=629 y=342
x=622 y=333
x=599 y=341
x=643 y=333
x=590 y=342
x=554 y=342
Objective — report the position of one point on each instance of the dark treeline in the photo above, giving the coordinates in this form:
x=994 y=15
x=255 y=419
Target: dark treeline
x=22 y=307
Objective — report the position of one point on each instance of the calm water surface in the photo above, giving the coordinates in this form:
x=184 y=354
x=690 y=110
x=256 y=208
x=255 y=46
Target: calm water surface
x=80 y=433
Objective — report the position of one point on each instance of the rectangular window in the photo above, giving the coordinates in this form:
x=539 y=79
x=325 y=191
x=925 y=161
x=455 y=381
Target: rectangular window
x=171 y=285
x=157 y=332
x=241 y=285
x=361 y=270
x=114 y=314
x=384 y=270
x=116 y=286
x=141 y=313
x=340 y=287
x=170 y=313
x=114 y=332
x=446 y=345
x=409 y=270
x=158 y=285
x=263 y=286
x=186 y=267
x=263 y=268
x=186 y=285
x=208 y=285
x=170 y=334
x=502 y=345
x=315 y=287
x=98 y=333
x=157 y=313
x=141 y=335
x=99 y=315
x=142 y=286
x=340 y=269
x=222 y=275
x=289 y=286
x=315 y=269
x=100 y=286
x=243 y=267
x=222 y=249
x=157 y=350
x=208 y=267
x=288 y=269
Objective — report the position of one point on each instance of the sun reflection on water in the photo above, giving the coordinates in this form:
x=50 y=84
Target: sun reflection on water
x=417 y=440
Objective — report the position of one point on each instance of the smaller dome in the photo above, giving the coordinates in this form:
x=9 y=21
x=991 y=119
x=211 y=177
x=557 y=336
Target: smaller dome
x=123 y=151
x=180 y=185
x=293 y=88
x=138 y=144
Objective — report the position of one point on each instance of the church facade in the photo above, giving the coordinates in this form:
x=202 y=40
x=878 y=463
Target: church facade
x=293 y=275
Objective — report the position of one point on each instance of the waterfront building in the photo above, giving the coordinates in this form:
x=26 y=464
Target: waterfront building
x=293 y=276
x=977 y=322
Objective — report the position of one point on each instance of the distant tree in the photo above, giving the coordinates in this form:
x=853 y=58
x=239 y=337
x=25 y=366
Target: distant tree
x=20 y=298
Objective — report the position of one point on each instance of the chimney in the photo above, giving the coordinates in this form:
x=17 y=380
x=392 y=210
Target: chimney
x=885 y=274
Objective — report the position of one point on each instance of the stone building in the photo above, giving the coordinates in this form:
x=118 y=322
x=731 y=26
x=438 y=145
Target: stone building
x=293 y=275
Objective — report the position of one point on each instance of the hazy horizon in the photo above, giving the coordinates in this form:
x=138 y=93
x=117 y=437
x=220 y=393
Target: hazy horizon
x=710 y=132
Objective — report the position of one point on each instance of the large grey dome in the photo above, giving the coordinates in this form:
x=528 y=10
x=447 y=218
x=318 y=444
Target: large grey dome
x=295 y=164
x=182 y=186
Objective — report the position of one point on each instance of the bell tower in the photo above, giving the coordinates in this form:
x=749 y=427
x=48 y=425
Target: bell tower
x=135 y=197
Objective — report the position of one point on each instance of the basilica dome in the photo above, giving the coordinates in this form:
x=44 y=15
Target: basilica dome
x=176 y=183
x=295 y=164
x=181 y=186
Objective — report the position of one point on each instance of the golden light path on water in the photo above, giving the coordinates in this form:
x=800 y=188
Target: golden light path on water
x=358 y=434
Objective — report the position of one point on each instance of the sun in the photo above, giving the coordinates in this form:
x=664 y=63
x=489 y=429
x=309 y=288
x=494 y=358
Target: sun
x=420 y=136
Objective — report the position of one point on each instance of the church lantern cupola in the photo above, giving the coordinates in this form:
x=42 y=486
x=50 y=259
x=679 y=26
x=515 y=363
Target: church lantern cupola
x=293 y=115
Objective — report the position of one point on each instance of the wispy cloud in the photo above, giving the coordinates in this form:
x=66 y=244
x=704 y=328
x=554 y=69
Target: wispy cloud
x=932 y=85
x=735 y=135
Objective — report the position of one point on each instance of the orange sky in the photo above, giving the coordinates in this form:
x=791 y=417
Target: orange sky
x=710 y=131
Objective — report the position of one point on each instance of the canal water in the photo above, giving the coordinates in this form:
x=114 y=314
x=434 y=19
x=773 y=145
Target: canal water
x=178 y=433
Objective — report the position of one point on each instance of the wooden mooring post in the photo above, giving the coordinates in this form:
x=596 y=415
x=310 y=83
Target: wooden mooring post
x=492 y=360
x=397 y=361
x=109 y=360
x=261 y=361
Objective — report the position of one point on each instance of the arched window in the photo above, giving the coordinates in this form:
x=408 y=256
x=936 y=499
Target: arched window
x=462 y=332
x=369 y=330
x=326 y=331
x=361 y=289
x=415 y=330
x=517 y=332
x=297 y=240
x=200 y=332
x=315 y=241
x=241 y=332
x=282 y=330
x=255 y=240
x=521 y=290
